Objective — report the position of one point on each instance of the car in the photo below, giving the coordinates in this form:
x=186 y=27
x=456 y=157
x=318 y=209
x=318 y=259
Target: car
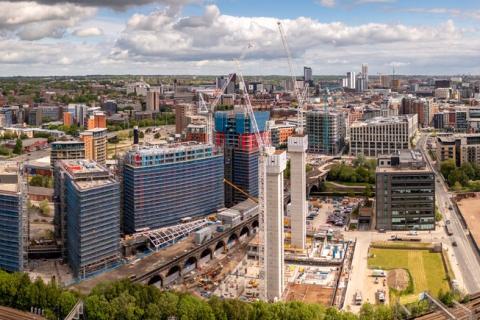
x=412 y=233
x=382 y=230
x=454 y=243
x=450 y=207
x=447 y=221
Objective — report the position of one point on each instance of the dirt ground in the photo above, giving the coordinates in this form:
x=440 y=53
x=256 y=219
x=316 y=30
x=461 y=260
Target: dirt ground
x=398 y=279
x=471 y=214
x=310 y=293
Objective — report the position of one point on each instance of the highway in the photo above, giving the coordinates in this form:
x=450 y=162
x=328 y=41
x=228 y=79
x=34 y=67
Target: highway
x=466 y=256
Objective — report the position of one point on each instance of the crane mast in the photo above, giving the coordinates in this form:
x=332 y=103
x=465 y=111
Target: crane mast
x=301 y=96
x=209 y=111
x=264 y=149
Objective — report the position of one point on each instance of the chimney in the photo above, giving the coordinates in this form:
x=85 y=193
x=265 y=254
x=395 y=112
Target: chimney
x=135 y=135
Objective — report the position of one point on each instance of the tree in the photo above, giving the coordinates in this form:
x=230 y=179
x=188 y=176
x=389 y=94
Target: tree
x=18 y=147
x=44 y=207
x=446 y=167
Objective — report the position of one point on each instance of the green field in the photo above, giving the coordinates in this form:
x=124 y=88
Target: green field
x=426 y=269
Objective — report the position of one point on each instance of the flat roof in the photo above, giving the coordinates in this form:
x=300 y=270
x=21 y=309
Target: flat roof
x=9 y=176
x=382 y=120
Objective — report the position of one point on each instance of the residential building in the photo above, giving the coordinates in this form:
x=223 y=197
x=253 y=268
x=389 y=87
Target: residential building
x=461 y=120
x=97 y=120
x=67 y=119
x=6 y=117
x=13 y=217
x=405 y=192
x=88 y=209
x=110 y=107
x=382 y=135
x=423 y=107
x=163 y=184
x=66 y=150
x=439 y=120
x=462 y=148
x=181 y=121
x=153 y=101
x=326 y=131
x=234 y=133
x=196 y=132
x=95 y=141
x=279 y=134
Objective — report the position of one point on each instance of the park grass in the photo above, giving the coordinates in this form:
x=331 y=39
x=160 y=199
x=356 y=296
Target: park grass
x=425 y=267
x=401 y=245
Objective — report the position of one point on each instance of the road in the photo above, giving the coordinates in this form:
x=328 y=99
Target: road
x=465 y=255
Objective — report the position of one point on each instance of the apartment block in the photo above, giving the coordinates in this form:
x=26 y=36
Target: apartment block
x=326 y=131
x=95 y=141
x=405 y=192
x=13 y=217
x=382 y=135
x=424 y=108
x=279 y=134
x=462 y=148
x=65 y=150
x=88 y=204
x=163 y=184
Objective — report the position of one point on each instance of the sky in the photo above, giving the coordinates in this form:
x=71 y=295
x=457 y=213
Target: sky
x=167 y=37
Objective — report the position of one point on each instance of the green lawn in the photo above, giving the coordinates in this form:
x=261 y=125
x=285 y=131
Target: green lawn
x=426 y=268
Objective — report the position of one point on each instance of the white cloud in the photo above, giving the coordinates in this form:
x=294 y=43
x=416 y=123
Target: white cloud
x=327 y=3
x=217 y=36
x=33 y=21
x=88 y=32
x=166 y=42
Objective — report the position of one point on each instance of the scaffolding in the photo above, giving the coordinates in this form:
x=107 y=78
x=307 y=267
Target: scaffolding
x=160 y=238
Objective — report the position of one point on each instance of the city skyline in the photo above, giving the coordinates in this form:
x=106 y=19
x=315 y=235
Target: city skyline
x=48 y=37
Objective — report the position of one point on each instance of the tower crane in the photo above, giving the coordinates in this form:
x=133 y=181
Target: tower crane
x=208 y=111
x=300 y=95
x=264 y=149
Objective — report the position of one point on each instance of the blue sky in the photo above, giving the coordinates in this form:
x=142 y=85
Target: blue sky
x=48 y=37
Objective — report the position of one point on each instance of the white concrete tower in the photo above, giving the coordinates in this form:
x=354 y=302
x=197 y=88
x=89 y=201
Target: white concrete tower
x=297 y=147
x=274 y=246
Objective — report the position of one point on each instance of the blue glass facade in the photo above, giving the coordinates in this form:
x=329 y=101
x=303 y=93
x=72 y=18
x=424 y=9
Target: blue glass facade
x=163 y=186
x=10 y=232
x=90 y=209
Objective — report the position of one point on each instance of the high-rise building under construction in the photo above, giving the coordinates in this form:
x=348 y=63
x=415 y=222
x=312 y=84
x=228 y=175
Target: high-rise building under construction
x=326 y=131
x=163 y=184
x=88 y=206
x=13 y=217
x=234 y=133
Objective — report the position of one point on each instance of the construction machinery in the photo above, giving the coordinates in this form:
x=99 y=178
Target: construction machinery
x=208 y=111
x=264 y=149
x=301 y=95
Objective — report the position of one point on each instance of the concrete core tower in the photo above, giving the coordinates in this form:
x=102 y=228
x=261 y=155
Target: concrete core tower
x=274 y=246
x=297 y=146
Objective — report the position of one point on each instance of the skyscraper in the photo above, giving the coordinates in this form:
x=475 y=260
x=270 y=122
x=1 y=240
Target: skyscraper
x=164 y=184
x=351 y=80
x=307 y=75
x=13 y=217
x=234 y=133
x=88 y=202
x=274 y=246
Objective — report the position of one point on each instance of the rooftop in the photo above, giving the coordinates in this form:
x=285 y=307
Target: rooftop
x=87 y=173
x=9 y=176
x=382 y=120
x=403 y=161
